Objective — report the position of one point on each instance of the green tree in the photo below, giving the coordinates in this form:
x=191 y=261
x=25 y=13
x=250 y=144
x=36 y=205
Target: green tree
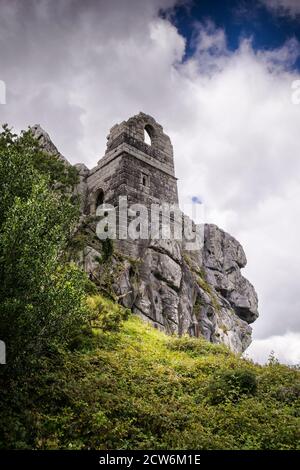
x=41 y=296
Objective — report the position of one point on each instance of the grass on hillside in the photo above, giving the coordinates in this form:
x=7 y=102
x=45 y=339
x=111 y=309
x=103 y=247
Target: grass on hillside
x=139 y=389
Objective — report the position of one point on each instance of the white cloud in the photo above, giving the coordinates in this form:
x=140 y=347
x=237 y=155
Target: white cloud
x=243 y=151
x=77 y=71
x=284 y=7
x=286 y=349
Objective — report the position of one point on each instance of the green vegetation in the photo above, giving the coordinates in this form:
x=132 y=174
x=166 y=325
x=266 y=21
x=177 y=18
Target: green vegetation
x=136 y=388
x=107 y=249
x=41 y=295
x=106 y=315
x=83 y=374
x=232 y=385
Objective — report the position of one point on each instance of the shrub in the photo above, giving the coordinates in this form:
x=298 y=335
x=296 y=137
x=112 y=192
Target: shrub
x=289 y=394
x=107 y=249
x=105 y=314
x=196 y=346
x=231 y=385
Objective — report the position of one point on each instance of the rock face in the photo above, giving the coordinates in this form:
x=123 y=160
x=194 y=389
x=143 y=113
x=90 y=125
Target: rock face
x=200 y=292
x=166 y=286
x=180 y=296
x=45 y=142
x=223 y=259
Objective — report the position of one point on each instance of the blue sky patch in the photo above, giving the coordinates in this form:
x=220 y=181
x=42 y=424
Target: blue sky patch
x=240 y=19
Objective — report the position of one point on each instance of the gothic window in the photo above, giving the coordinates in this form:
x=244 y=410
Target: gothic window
x=148 y=134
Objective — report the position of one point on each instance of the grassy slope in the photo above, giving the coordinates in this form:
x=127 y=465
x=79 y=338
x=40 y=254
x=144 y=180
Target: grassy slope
x=139 y=389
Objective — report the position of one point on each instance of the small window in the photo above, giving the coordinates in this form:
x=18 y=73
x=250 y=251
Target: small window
x=145 y=180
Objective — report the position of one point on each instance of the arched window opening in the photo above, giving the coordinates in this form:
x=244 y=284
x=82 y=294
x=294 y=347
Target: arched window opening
x=147 y=138
x=99 y=198
x=144 y=181
x=148 y=134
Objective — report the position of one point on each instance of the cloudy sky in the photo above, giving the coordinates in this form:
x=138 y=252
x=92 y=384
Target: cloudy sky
x=218 y=76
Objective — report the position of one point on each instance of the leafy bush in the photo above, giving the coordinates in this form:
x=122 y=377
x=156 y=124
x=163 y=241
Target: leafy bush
x=106 y=315
x=196 y=346
x=289 y=394
x=232 y=385
x=41 y=296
